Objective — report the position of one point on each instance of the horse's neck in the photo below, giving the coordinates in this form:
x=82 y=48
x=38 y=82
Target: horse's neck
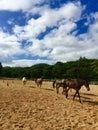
x=81 y=83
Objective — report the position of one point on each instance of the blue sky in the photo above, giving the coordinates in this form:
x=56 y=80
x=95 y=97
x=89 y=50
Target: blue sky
x=47 y=31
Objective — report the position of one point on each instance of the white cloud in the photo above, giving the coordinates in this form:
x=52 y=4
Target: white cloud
x=60 y=44
x=9 y=46
x=25 y=62
x=49 y=18
x=63 y=18
x=16 y=5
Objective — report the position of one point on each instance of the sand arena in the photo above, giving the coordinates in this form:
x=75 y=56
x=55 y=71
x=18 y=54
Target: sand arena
x=31 y=108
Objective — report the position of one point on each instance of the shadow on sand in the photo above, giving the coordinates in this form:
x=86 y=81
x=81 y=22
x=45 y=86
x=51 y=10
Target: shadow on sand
x=32 y=87
x=41 y=88
x=86 y=98
x=94 y=103
x=48 y=89
x=90 y=94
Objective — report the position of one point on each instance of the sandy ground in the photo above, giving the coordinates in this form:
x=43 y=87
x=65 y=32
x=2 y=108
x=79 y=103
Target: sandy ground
x=31 y=108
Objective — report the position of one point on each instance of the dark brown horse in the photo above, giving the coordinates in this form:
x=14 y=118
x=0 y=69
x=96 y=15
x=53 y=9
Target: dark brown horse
x=39 y=82
x=76 y=84
x=59 y=83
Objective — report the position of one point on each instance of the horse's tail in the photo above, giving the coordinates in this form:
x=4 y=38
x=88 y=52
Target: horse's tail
x=54 y=83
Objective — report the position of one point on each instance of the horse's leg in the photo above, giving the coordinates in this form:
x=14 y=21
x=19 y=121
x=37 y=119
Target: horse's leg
x=64 y=89
x=40 y=85
x=54 y=84
x=67 y=92
x=24 y=82
x=57 y=89
x=75 y=94
x=79 y=97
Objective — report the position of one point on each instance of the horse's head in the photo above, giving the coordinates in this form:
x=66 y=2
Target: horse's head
x=87 y=84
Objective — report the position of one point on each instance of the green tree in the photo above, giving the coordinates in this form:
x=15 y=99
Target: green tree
x=94 y=68
x=0 y=69
x=58 y=70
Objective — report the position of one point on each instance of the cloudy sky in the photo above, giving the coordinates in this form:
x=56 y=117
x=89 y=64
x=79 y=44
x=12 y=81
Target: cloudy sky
x=47 y=31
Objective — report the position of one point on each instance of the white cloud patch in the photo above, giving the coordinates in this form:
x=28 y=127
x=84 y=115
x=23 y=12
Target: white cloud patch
x=15 y=5
x=60 y=44
x=25 y=62
x=9 y=46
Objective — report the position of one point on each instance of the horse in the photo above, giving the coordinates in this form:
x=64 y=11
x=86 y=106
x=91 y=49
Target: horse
x=24 y=80
x=59 y=83
x=39 y=82
x=75 y=84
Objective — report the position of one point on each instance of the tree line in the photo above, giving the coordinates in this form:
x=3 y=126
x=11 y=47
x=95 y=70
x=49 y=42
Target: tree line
x=82 y=68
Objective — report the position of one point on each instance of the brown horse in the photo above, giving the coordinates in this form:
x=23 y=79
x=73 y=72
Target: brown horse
x=76 y=84
x=59 y=83
x=39 y=82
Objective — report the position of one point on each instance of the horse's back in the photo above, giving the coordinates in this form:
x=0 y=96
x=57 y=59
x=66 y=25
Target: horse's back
x=39 y=81
x=74 y=83
x=24 y=79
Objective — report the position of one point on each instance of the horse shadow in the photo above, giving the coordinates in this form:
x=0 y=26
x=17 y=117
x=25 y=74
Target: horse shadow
x=48 y=89
x=94 y=103
x=90 y=94
x=87 y=98
x=32 y=87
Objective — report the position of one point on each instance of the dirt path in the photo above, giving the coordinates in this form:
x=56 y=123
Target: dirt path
x=31 y=108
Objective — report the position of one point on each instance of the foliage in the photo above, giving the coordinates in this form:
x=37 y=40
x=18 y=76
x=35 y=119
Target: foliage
x=82 y=68
x=0 y=68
